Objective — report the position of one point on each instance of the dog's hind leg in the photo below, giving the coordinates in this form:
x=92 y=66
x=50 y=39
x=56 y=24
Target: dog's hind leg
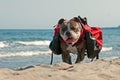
x=97 y=57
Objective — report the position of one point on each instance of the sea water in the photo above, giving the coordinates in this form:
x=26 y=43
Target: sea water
x=26 y=47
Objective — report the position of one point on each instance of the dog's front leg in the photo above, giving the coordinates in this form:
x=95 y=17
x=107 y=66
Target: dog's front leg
x=80 y=55
x=66 y=57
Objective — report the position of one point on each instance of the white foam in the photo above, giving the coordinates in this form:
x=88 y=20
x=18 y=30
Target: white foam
x=106 y=49
x=2 y=45
x=25 y=54
x=34 y=42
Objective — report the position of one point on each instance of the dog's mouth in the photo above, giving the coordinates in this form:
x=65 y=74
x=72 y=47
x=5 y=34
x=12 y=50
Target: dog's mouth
x=70 y=40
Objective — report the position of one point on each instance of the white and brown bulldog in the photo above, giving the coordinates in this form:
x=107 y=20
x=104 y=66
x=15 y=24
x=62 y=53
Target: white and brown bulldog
x=70 y=33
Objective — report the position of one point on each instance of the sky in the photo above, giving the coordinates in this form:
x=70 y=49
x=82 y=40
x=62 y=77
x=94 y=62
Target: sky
x=44 y=14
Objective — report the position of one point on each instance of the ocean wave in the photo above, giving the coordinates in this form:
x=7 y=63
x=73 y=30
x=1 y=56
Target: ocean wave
x=25 y=54
x=33 y=42
x=3 y=45
x=104 y=49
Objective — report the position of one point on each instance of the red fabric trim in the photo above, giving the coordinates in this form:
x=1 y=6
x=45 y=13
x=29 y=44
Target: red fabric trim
x=56 y=30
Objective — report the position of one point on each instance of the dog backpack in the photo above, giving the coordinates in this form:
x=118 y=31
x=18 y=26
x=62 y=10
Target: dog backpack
x=93 y=37
x=55 y=43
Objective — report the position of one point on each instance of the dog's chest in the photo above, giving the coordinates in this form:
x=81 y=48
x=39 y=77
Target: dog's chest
x=72 y=49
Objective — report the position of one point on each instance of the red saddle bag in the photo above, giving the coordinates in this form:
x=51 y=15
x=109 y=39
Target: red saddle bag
x=94 y=41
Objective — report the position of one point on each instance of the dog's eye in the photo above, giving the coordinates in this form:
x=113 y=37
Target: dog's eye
x=72 y=28
x=76 y=30
x=64 y=28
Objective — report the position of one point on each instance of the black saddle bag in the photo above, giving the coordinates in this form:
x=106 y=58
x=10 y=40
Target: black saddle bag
x=92 y=46
x=55 y=45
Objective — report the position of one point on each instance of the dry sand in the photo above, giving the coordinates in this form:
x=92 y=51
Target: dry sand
x=97 y=70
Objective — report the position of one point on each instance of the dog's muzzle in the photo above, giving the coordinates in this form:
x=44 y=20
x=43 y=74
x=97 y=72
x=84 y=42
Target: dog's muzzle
x=68 y=34
x=70 y=39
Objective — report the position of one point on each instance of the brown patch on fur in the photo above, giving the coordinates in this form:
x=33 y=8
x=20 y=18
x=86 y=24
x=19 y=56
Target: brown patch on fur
x=74 y=22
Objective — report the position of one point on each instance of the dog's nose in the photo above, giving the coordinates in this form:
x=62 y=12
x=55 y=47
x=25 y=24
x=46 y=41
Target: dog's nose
x=68 y=33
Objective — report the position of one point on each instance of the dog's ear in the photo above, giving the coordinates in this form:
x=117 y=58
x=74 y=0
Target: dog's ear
x=76 y=19
x=63 y=24
x=61 y=21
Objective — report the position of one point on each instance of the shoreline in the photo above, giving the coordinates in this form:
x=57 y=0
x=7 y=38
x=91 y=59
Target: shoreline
x=96 y=70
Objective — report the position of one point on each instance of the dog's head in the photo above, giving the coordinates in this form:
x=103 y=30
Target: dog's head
x=71 y=30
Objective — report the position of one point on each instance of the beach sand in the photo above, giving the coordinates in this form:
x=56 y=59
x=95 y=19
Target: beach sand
x=96 y=70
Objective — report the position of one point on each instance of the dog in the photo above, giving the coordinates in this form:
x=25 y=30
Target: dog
x=70 y=33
